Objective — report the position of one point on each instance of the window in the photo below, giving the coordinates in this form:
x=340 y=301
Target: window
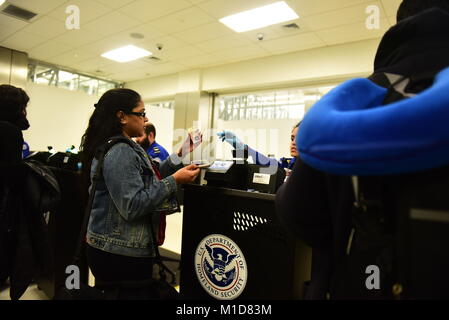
x=170 y=104
x=42 y=73
x=282 y=104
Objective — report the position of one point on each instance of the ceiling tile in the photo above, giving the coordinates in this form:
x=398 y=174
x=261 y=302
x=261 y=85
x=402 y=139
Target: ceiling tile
x=115 y=3
x=40 y=7
x=46 y=27
x=203 y=33
x=89 y=11
x=168 y=44
x=268 y=33
x=146 y=30
x=112 y=23
x=48 y=50
x=341 y=17
x=130 y=75
x=307 y=8
x=79 y=37
x=199 y=61
x=391 y=6
x=293 y=43
x=182 y=20
x=242 y=53
x=220 y=9
x=109 y=43
x=91 y=65
x=72 y=58
x=22 y=41
x=352 y=32
x=165 y=68
x=5 y=32
x=146 y=10
x=197 y=1
x=222 y=43
x=183 y=52
x=9 y=25
x=392 y=20
x=116 y=67
x=9 y=21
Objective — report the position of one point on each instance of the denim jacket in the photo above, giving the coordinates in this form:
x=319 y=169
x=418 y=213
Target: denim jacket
x=127 y=196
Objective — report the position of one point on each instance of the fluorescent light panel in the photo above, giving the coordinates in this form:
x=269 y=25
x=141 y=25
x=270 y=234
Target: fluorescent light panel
x=260 y=17
x=126 y=54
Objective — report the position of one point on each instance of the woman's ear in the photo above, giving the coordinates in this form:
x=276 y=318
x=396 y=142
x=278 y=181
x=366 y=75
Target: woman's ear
x=122 y=116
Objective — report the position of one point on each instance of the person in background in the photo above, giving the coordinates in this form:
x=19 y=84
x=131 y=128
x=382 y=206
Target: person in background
x=135 y=190
x=149 y=144
x=259 y=158
x=317 y=206
x=25 y=150
x=13 y=119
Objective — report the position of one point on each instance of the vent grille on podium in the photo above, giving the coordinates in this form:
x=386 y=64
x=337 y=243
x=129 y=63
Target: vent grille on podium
x=244 y=221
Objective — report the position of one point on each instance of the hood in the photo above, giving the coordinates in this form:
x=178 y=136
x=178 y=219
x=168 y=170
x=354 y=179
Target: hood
x=419 y=44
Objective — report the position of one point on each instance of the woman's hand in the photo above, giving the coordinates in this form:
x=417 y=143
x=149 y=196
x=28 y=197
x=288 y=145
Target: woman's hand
x=187 y=174
x=192 y=141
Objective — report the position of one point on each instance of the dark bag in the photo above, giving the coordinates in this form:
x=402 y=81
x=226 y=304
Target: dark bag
x=41 y=187
x=151 y=289
x=399 y=224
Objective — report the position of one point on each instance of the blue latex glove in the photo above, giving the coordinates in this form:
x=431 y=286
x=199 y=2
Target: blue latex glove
x=231 y=138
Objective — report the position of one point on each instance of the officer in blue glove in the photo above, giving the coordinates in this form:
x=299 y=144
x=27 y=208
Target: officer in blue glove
x=149 y=144
x=259 y=158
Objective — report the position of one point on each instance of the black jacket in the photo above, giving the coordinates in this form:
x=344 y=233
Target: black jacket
x=24 y=246
x=317 y=206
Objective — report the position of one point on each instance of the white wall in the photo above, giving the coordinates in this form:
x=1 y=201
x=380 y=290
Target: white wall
x=163 y=120
x=155 y=88
x=58 y=117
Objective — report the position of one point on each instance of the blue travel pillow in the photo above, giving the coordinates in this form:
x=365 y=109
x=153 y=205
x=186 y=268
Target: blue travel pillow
x=349 y=132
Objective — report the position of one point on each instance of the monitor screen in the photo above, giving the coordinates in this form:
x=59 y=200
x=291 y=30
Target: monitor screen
x=221 y=166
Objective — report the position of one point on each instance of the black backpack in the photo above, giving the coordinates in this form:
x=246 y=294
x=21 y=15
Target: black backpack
x=41 y=187
x=398 y=247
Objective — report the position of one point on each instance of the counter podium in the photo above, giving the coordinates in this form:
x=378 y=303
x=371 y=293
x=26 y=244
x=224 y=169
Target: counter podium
x=233 y=247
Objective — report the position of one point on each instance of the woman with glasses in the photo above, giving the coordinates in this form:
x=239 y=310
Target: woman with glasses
x=131 y=190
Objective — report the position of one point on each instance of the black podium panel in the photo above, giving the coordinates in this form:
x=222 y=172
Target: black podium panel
x=212 y=266
x=64 y=227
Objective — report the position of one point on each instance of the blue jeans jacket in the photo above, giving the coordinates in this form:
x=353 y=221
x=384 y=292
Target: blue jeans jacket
x=128 y=195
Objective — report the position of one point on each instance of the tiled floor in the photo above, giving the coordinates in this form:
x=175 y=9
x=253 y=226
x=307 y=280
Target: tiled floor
x=32 y=293
x=173 y=237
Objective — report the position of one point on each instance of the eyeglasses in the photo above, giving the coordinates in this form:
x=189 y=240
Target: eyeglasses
x=140 y=114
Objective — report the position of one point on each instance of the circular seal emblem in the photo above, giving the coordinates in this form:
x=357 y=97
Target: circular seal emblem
x=221 y=267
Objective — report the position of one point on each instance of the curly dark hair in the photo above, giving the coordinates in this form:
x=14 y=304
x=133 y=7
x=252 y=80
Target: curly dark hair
x=13 y=102
x=104 y=123
x=410 y=8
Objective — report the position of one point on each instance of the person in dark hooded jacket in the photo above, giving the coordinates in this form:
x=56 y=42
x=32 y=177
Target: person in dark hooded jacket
x=19 y=227
x=317 y=206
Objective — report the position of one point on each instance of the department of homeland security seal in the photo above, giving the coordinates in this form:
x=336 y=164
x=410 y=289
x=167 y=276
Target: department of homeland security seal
x=221 y=267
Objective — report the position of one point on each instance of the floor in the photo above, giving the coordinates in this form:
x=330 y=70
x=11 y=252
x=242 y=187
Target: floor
x=171 y=249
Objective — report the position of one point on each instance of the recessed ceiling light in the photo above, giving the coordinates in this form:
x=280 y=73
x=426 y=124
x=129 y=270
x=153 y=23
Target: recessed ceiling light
x=260 y=17
x=126 y=54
